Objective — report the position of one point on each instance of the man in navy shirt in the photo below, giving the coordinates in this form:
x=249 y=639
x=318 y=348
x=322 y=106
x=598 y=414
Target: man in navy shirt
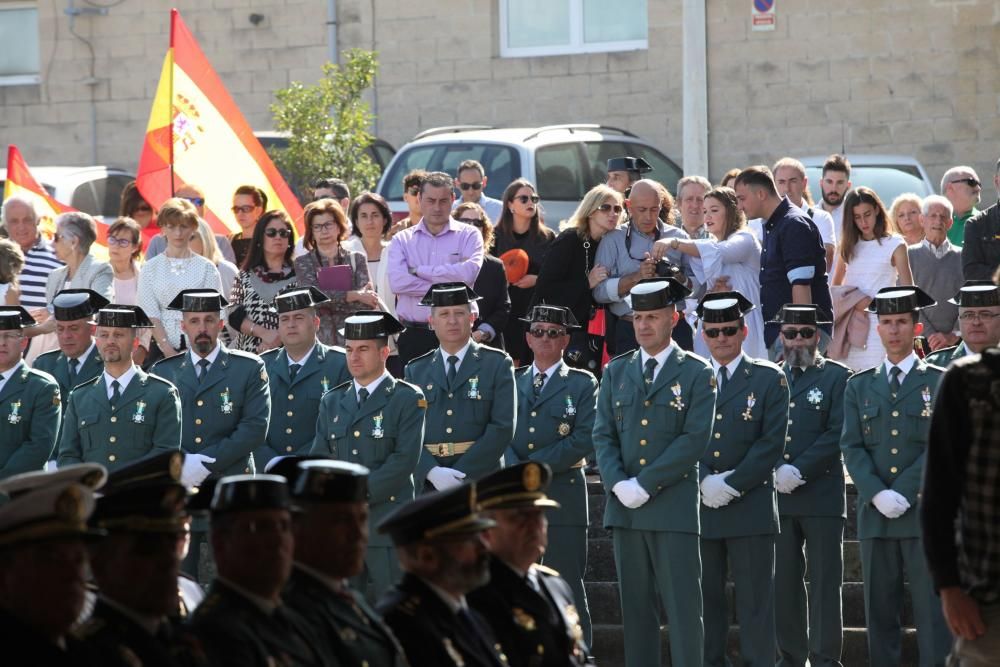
x=793 y=259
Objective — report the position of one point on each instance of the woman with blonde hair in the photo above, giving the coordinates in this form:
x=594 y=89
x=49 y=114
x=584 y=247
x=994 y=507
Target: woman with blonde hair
x=728 y=259
x=11 y=263
x=905 y=216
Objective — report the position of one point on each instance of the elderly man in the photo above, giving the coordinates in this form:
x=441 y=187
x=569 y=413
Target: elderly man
x=690 y=205
x=978 y=304
x=628 y=255
x=962 y=187
x=623 y=172
x=936 y=265
x=20 y=219
x=981 y=247
x=791 y=181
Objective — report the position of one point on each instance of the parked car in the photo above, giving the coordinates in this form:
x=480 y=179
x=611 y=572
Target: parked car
x=381 y=151
x=563 y=161
x=888 y=175
x=93 y=190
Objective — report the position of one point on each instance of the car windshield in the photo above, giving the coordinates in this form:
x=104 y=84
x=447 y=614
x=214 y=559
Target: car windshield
x=502 y=164
x=888 y=181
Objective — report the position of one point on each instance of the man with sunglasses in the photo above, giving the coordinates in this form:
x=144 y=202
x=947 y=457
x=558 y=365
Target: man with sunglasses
x=978 y=304
x=887 y=413
x=812 y=509
x=555 y=422
x=653 y=423
x=739 y=518
x=471 y=184
x=981 y=247
x=962 y=187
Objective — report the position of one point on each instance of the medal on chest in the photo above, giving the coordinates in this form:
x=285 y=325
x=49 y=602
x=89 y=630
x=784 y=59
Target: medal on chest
x=474 y=388
x=15 y=413
x=925 y=394
x=325 y=383
x=677 y=402
x=570 y=408
x=524 y=619
x=815 y=396
x=751 y=401
x=140 y=412
x=377 y=431
x=227 y=405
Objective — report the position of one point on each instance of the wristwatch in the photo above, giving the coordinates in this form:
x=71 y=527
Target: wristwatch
x=674 y=242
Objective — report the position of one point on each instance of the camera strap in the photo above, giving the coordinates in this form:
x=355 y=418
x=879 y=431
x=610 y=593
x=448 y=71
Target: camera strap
x=628 y=235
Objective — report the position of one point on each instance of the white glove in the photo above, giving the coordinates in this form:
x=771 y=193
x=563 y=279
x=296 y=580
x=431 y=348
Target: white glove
x=890 y=503
x=787 y=478
x=630 y=493
x=444 y=478
x=194 y=471
x=50 y=466
x=715 y=493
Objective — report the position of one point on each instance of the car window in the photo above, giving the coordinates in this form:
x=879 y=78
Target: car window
x=84 y=199
x=888 y=181
x=100 y=196
x=502 y=164
x=560 y=174
x=383 y=154
x=599 y=152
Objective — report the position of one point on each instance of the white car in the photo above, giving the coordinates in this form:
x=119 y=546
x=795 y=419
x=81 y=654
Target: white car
x=888 y=175
x=563 y=161
x=93 y=190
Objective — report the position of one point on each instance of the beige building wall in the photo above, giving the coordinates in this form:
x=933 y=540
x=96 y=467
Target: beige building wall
x=919 y=77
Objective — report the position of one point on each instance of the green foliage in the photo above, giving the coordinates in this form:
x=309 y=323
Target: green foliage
x=328 y=123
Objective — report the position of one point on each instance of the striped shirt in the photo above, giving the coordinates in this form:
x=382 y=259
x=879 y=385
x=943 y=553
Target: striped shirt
x=38 y=264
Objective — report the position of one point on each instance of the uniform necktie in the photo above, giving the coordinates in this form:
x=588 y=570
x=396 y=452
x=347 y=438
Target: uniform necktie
x=293 y=370
x=647 y=374
x=74 y=367
x=723 y=376
x=204 y=363
x=115 y=392
x=470 y=627
x=452 y=369
x=362 y=396
x=537 y=384
x=894 y=374
x=797 y=373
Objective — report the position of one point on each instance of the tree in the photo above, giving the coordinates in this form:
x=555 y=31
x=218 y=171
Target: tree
x=328 y=123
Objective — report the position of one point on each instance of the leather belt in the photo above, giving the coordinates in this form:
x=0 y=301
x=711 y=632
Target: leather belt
x=448 y=448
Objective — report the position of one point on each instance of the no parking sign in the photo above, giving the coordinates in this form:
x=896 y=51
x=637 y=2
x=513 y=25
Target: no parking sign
x=762 y=15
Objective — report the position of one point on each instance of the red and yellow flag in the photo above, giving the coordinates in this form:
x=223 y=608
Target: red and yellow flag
x=197 y=135
x=21 y=182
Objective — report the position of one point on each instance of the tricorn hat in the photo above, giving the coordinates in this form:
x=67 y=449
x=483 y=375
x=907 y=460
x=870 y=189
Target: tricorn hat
x=634 y=164
x=656 y=293
x=552 y=315
x=15 y=318
x=370 y=325
x=977 y=294
x=449 y=294
x=298 y=298
x=799 y=313
x=76 y=304
x=723 y=307
x=198 y=300
x=900 y=299
x=123 y=317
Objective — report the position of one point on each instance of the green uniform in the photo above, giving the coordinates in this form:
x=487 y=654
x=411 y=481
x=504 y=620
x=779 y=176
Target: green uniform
x=56 y=364
x=813 y=514
x=146 y=420
x=884 y=443
x=946 y=355
x=751 y=418
x=557 y=428
x=478 y=409
x=384 y=435
x=29 y=419
x=226 y=415
x=657 y=436
x=295 y=403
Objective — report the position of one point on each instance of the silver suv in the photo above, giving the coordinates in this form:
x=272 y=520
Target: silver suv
x=563 y=161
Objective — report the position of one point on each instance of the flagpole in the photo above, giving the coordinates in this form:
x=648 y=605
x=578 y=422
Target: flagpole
x=170 y=102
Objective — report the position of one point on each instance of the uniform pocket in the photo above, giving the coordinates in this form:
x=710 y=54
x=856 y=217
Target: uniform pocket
x=871 y=426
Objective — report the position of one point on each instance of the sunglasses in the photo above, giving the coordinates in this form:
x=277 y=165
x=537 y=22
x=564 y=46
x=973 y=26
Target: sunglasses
x=551 y=333
x=121 y=243
x=524 y=199
x=792 y=334
x=971 y=182
x=475 y=222
x=272 y=233
x=604 y=208
x=729 y=332
x=413 y=191
x=246 y=208
x=197 y=201
x=471 y=186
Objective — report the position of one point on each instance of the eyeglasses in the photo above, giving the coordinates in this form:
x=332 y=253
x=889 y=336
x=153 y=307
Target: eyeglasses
x=729 y=332
x=246 y=208
x=471 y=186
x=475 y=222
x=971 y=182
x=551 y=333
x=271 y=233
x=604 y=208
x=413 y=191
x=524 y=199
x=792 y=334
x=317 y=227
x=985 y=316
x=197 y=201
x=121 y=243
x=11 y=337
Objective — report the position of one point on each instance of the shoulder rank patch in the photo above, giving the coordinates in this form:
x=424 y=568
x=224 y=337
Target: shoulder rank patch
x=783 y=380
x=422 y=403
x=711 y=381
x=55 y=398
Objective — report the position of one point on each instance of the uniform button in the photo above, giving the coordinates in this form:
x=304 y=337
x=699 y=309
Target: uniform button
x=895 y=413
x=617 y=403
x=645 y=422
x=200 y=403
x=718 y=415
x=789 y=422
x=246 y=471
x=894 y=450
x=792 y=404
x=572 y=480
x=197 y=440
x=788 y=457
x=112 y=439
x=114 y=419
x=112 y=457
x=895 y=431
x=533 y=413
x=643 y=442
x=893 y=470
x=198 y=421
x=449 y=412
x=718 y=435
x=642 y=462
x=289 y=414
x=392 y=498
x=647 y=403
x=291 y=397
x=448 y=430
x=451 y=395
x=288 y=448
x=531 y=445
x=288 y=430
x=357 y=434
x=354 y=451
x=531 y=429
x=716 y=454
x=788 y=438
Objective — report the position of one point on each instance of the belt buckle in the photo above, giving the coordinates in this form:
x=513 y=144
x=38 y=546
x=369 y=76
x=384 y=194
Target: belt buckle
x=443 y=449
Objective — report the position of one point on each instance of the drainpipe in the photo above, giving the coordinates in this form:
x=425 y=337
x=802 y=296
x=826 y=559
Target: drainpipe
x=695 y=89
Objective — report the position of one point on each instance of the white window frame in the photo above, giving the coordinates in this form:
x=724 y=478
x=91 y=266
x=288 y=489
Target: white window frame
x=576 y=43
x=22 y=79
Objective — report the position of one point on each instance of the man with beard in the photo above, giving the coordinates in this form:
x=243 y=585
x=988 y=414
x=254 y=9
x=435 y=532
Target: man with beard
x=124 y=413
x=936 y=265
x=791 y=181
x=529 y=606
x=243 y=621
x=77 y=360
x=834 y=185
x=812 y=506
x=439 y=543
x=299 y=373
x=331 y=534
x=43 y=564
x=978 y=304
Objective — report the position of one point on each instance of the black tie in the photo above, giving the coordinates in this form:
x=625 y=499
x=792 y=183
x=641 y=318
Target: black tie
x=115 y=392
x=470 y=627
x=723 y=377
x=204 y=363
x=647 y=374
x=293 y=370
x=894 y=374
x=796 y=374
x=74 y=366
x=452 y=370
x=537 y=384
x=362 y=396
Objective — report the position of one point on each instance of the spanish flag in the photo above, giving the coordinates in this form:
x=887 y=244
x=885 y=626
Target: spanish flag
x=21 y=182
x=197 y=135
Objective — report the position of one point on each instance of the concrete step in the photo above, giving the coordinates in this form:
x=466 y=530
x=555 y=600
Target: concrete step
x=609 y=647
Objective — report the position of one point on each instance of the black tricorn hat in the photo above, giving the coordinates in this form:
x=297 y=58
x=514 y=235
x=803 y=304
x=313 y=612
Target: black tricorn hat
x=370 y=325
x=243 y=493
x=518 y=486
x=977 y=294
x=799 y=313
x=198 y=300
x=331 y=481
x=15 y=318
x=723 y=307
x=437 y=514
x=298 y=298
x=449 y=294
x=123 y=317
x=900 y=299
x=76 y=304
x=288 y=466
x=656 y=293
x=552 y=315
x=633 y=164
x=144 y=496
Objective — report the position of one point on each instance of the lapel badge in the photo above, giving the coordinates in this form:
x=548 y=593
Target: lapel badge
x=564 y=429
x=377 y=431
x=140 y=412
x=570 y=408
x=524 y=619
x=474 y=387
x=325 y=383
x=926 y=395
x=453 y=652
x=677 y=403
x=15 y=413
x=815 y=396
x=348 y=635
x=227 y=405
x=751 y=401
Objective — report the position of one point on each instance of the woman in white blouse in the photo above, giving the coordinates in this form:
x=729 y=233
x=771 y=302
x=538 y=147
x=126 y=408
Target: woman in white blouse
x=165 y=275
